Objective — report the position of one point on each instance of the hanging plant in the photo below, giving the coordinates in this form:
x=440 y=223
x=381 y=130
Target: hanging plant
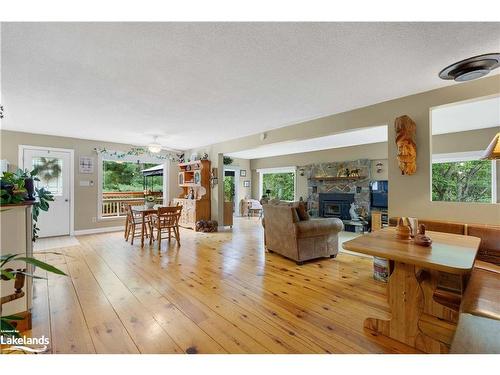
x=228 y=160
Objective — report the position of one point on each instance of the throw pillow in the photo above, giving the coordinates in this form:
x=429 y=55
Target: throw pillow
x=302 y=212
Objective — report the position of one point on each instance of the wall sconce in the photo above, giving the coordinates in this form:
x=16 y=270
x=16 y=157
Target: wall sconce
x=214 y=180
x=379 y=166
x=302 y=171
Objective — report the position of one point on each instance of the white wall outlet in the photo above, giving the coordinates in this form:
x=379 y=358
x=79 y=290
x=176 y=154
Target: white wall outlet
x=94 y=219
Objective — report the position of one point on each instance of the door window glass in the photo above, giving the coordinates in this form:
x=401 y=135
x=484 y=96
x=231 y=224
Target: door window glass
x=49 y=171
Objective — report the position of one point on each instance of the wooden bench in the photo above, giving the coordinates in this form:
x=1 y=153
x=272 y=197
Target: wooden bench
x=478 y=329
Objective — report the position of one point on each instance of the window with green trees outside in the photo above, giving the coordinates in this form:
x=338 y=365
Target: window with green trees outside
x=281 y=185
x=125 y=176
x=463 y=181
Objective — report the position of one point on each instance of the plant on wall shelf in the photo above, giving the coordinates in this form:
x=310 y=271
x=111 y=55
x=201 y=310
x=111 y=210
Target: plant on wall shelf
x=12 y=188
x=13 y=191
x=228 y=160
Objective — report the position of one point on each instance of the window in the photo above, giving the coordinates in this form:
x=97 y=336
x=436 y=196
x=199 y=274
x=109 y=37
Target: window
x=278 y=183
x=465 y=180
x=123 y=183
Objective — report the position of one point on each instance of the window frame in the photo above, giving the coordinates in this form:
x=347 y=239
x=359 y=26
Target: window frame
x=457 y=157
x=130 y=159
x=264 y=171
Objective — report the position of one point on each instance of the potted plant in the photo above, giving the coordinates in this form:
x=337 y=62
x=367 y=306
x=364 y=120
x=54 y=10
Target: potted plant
x=12 y=188
x=14 y=191
x=29 y=181
x=150 y=201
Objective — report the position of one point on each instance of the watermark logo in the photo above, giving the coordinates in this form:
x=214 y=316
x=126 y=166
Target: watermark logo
x=11 y=341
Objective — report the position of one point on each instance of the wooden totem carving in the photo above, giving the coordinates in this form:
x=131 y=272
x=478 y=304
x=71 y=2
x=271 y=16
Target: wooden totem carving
x=407 y=148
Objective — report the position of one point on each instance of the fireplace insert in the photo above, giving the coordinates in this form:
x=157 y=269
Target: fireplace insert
x=335 y=205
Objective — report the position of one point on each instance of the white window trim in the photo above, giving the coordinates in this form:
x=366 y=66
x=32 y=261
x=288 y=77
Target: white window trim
x=264 y=171
x=129 y=159
x=468 y=156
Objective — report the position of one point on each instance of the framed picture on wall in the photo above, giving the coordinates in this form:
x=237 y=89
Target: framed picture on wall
x=243 y=172
x=246 y=183
x=86 y=164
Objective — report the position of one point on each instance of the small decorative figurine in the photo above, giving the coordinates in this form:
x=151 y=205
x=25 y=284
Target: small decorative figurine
x=353 y=213
x=421 y=239
x=403 y=231
x=354 y=173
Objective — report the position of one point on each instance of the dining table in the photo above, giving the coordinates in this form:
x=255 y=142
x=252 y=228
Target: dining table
x=144 y=211
x=417 y=319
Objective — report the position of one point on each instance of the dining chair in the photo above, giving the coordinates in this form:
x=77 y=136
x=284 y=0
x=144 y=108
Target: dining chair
x=167 y=221
x=125 y=234
x=134 y=225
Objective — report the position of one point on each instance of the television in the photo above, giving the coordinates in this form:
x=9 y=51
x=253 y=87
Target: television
x=378 y=194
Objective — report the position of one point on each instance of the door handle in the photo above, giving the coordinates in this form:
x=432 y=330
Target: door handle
x=66 y=200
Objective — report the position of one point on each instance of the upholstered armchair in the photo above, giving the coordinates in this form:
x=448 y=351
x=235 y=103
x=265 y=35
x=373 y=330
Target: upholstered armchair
x=287 y=235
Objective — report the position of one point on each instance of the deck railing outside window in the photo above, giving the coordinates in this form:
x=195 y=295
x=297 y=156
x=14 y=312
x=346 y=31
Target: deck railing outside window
x=114 y=203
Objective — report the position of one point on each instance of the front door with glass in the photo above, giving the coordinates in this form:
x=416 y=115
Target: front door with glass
x=53 y=170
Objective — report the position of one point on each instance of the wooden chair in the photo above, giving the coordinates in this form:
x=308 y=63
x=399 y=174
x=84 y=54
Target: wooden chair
x=125 y=234
x=166 y=221
x=133 y=225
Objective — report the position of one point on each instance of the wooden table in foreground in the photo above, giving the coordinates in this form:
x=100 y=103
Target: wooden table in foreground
x=417 y=320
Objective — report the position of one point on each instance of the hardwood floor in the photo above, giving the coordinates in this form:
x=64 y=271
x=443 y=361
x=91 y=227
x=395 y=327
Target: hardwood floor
x=217 y=293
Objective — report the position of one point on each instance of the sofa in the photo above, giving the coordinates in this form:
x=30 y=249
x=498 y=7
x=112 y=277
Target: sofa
x=298 y=237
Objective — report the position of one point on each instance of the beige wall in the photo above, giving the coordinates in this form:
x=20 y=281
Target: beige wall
x=375 y=151
x=409 y=195
x=85 y=197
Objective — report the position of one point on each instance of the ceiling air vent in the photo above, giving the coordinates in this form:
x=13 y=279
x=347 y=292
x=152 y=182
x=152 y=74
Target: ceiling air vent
x=471 y=68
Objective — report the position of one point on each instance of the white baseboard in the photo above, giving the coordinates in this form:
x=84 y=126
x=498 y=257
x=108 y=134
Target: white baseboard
x=98 y=230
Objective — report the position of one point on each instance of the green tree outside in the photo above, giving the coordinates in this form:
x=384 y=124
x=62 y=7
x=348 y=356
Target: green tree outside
x=282 y=185
x=229 y=189
x=127 y=176
x=466 y=181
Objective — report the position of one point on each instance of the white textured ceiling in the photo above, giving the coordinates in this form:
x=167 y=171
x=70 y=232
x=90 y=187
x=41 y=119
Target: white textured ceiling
x=363 y=136
x=196 y=84
x=471 y=115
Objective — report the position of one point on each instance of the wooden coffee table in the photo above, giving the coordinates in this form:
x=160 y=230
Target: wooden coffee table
x=417 y=320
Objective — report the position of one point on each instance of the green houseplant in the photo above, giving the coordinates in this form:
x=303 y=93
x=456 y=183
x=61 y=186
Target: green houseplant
x=13 y=191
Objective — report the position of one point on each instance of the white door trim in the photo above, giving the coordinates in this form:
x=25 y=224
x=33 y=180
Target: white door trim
x=71 y=152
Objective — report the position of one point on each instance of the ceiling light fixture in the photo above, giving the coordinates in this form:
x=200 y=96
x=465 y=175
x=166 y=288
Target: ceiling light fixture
x=154 y=147
x=471 y=68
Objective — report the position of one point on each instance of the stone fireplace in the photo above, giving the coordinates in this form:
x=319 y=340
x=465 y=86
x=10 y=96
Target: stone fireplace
x=329 y=195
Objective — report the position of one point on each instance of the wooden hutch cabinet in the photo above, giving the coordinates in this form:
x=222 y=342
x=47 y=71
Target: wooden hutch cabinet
x=194 y=180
